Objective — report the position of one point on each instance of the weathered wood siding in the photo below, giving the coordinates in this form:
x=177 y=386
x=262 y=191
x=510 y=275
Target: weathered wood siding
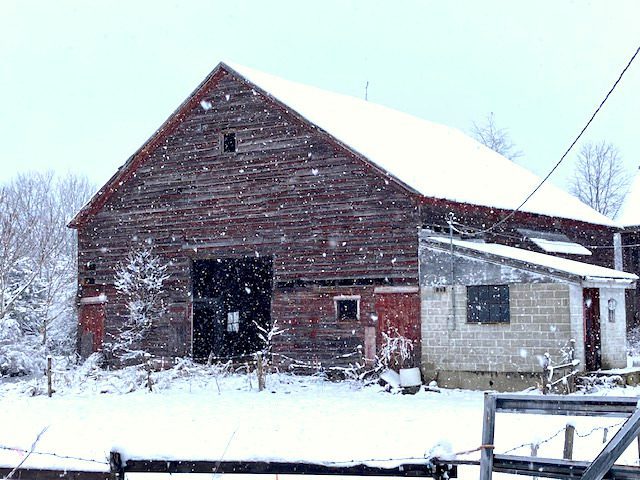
x=312 y=334
x=289 y=192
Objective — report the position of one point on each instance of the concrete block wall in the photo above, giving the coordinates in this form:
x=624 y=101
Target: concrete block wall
x=540 y=322
x=613 y=333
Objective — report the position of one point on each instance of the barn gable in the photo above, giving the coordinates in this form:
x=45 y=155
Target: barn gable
x=199 y=98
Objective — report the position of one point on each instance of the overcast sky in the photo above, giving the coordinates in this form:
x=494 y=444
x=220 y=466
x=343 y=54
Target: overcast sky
x=84 y=83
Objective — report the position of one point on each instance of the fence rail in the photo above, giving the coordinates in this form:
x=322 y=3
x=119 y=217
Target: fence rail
x=44 y=474
x=601 y=467
x=118 y=469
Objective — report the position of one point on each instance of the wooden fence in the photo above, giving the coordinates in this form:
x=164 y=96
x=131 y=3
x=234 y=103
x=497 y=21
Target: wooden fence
x=601 y=467
x=118 y=469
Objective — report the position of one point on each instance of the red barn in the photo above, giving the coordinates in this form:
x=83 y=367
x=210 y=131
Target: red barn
x=278 y=202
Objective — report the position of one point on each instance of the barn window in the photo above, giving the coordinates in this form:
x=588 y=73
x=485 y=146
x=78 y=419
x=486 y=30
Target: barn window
x=233 y=322
x=229 y=143
x=488 y=304
x=347 y=308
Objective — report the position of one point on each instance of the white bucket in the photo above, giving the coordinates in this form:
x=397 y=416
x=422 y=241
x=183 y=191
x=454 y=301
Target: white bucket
x=410 y=377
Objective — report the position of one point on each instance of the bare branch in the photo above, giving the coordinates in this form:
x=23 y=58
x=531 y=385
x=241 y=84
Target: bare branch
x=497 y=139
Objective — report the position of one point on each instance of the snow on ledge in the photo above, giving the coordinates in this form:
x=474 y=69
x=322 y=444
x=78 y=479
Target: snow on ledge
x=555 y=246
x=583 y=270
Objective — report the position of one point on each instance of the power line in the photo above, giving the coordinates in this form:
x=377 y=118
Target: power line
x=513 y=212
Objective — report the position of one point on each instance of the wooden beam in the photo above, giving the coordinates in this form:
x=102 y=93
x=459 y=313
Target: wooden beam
x=556 y=468
x=488 y=431
x=612 y=451
x=569 y=433
x=43 y=474
x=288 y=468
x=563 y=405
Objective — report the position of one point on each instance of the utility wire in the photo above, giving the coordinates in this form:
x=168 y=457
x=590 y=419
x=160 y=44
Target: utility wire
x=513 y=212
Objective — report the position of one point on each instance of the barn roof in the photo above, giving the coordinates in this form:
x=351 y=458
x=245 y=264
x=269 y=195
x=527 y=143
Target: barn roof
x=629 y=215
x=429 y=159
x=551 y=263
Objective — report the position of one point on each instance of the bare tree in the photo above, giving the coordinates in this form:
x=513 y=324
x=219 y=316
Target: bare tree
x=497 y=139
x=37 y=266
x=599 y=178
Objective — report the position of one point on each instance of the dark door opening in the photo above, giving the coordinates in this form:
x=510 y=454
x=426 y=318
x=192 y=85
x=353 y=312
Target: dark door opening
x=591 y=308
x=231 y=300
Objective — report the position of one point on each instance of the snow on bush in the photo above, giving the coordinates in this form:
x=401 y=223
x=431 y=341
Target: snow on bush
x=140 y=280
x=633 y=342
x=19 y=354
x=396 y=351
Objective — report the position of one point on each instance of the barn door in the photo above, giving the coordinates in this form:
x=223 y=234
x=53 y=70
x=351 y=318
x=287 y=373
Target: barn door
x=91 y=328
x=591 y=309
x=231 y=307
x=398 y=311
x=208 y=328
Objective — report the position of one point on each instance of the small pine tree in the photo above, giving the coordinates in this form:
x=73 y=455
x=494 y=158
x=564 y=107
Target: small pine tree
x=140 y=280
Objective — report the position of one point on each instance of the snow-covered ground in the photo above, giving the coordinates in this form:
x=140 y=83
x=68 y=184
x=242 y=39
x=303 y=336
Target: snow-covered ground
x=202 y=413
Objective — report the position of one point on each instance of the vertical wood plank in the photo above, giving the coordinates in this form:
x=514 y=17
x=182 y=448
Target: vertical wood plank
x=612 y=451
x=569 y=432
x=115 y=466
x=534 y=453
x=488 y=432
x=260 y=372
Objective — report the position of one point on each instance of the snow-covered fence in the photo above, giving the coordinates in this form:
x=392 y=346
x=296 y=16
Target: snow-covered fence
x=117 y=468
x=603 y=464
x=440 y=471
x=565 y=372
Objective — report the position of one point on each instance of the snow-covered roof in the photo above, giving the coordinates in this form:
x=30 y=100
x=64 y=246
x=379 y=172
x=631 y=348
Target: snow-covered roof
x=557 y=246
x=629 y=215
x=435 y=160
x=586 y=271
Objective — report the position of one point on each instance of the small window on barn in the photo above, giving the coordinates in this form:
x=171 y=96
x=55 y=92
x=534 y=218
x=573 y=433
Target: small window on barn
x=488 y=304
x=229 y=142
x=233 y=322
x=347 y=308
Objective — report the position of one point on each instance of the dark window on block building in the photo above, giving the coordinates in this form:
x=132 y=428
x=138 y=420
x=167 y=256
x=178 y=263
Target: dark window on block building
x=347 y=309
x=229 y=143
x=488 y=304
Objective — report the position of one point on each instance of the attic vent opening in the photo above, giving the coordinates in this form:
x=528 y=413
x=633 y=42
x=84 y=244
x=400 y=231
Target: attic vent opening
x=229 y=143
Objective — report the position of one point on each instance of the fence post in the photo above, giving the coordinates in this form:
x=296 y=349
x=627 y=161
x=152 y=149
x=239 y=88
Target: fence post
x=49 y=379
x=260 y=371
x=567 y=452
x=545 y=374
x=488 y=431
x=115 y=466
